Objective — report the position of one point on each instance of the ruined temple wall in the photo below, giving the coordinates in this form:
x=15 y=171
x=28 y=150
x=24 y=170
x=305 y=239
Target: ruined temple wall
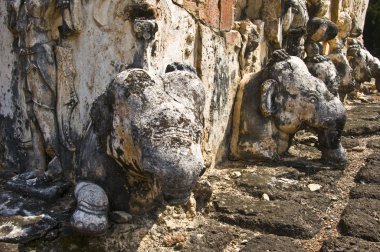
x=12 y=115
x=222 y=39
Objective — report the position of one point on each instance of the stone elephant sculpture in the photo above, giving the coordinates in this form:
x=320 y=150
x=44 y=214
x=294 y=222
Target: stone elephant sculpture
x=320 y=30
x=275 y=103
x=364 y=65
x=143 y=145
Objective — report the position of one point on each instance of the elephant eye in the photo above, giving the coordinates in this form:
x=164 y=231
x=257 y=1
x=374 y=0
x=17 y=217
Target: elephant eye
x=313 y=99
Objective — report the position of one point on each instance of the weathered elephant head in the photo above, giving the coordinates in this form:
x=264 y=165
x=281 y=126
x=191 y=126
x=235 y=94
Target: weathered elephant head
x=364 y=65
x=143 y=145
x=151 y=126
x=275 y=103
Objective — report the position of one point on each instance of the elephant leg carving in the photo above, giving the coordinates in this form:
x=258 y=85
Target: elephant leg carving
x=91 y=214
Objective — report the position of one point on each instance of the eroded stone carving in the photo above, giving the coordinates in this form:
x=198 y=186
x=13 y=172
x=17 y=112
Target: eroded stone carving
x=364 y=65
x=285 y=23
x=347 y=82
x=250 y=41
x=144 y=144
x=145 y=31
x=294 y=24
x=33 y=24
x=318 y=8
x=278 y=101
x=321 y=30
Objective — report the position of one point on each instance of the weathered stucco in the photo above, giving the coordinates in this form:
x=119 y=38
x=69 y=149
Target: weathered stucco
x=223 y=40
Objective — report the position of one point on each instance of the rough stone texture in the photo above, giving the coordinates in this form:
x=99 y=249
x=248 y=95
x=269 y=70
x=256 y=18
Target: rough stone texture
x=278 y=217
x=44 y=191
x=350 y=143
x=359 y=123
x=287 y=186
x=213 y=237
x=14 y=204
x=366 y=191
x=197 y=33
x=349 y=244
x=9 y=247
x=370 y=173
x=154 y=130
x=373 y=144
x=222 y=40
x=272 y=243
x=360 y=219
x=21 y=229
x=10 y=204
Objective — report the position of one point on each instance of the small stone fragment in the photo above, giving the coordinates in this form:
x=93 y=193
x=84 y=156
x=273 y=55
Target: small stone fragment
x=171 y=240
x=265 y=197
x=314 y=187
x=202 y=193
x=235 y=174
x=358 y=149
x=120 y=217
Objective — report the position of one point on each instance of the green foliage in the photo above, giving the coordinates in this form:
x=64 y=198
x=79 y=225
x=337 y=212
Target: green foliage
x=372 y=28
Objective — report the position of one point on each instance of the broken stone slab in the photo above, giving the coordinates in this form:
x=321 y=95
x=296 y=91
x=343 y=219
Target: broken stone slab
x=327 y=178
x=22 y=229
x=365 y=191
x=359 y=123
x=315 y=200
x=360 y=219
x=373 y=144
x=267 y=182
x=349 y=244
x=212 y=236
x=370 y=173
x=350 y=143
x=272 y=243
x=286 y=218
x=281 y=188
x=45 y=191
x=373 y=157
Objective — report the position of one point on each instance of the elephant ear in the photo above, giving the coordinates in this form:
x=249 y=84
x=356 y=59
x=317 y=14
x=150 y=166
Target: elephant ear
x=267 y=106
x=101 y=112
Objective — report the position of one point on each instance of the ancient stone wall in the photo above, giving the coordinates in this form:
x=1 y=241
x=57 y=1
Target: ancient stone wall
x=94 y=40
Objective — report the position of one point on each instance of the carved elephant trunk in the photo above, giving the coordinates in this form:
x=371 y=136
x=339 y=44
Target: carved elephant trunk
x=333 y=118
x=176 y=171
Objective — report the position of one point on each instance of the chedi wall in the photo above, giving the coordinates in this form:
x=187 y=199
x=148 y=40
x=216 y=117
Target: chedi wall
x=57 y=57
x=61 y=55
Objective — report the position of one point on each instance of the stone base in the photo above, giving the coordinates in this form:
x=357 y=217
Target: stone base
x=45 y=191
